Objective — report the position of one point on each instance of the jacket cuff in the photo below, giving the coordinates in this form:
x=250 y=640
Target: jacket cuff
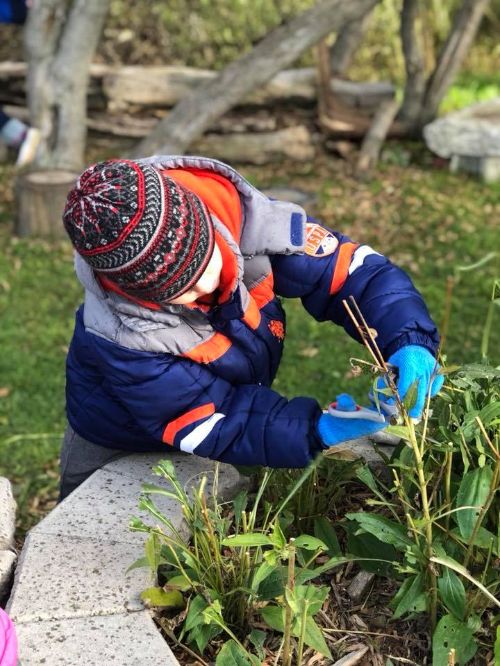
x=412 y=338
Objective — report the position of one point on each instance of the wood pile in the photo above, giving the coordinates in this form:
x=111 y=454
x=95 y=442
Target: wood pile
x=275 y=122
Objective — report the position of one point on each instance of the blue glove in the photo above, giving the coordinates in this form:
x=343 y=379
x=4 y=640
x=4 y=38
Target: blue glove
x=334 y=429
x=414 y=363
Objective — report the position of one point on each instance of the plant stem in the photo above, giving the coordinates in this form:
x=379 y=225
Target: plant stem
x=303 y=618
x=427 y=517
x=287 y=652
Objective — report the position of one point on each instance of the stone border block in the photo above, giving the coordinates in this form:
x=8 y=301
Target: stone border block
x=125 y=639
x=60 y=577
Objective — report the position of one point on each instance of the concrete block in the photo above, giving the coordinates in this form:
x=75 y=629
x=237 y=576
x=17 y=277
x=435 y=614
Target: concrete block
x=7 y=515
x=101 y=508
x=189 y=470
x=7 y=560
x=123 y=639
x=61 y=577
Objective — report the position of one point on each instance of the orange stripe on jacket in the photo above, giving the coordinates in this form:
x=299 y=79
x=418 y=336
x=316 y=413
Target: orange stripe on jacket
x=342 y=266
x=210 y=350
x=263 y=293
x=186 y=419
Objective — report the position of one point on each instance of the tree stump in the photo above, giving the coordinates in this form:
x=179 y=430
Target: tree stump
x=40 y=200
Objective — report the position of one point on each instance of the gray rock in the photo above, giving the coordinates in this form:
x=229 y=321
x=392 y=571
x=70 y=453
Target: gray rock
x=470 y=132
x=7 y=515
x=122 y=639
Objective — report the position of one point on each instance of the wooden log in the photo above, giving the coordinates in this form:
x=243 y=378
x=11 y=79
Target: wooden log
x=40 y=199
x=291 y=143
x=165 y=86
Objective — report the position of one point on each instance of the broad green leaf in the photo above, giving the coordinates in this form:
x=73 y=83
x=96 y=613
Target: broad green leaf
x=159 y=490
x=247 y=540
x=278 y=538
x=274 y=616
x=274 y=584
x=179 y=582
x=365 y=475
x=452 y=633
x=309 y=574
x=459 y=568
x=138 y=564
x=452 y=593
x=152 y=550
x=383 y=529
x=232 y=654
x=369 y=549
x=410 y=598
x=314 y=638
x=314 y=596
x=497 y=647
x=264 y=570
x=156 y=596
x=202 y=634
x=410 y=397
x=473 y=491
x=309 y=543
x=323 y=530
x=197 y=604
x=257 y=638
x=239 y=505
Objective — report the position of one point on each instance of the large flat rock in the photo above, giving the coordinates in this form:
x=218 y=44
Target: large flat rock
x=123 y=639
x=471 y=132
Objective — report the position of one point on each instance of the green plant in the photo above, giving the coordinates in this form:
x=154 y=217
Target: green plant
x=439 y=517
x=237 y=565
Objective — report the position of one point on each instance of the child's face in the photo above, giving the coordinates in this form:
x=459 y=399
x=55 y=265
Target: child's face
x=208 y=282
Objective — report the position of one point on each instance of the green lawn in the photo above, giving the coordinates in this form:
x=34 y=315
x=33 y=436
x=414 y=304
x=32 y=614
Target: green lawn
x=426 y=219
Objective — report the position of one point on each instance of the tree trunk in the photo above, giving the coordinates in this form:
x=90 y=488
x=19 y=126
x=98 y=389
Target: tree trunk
x=375 y=137
x=349 y=38
x=414 y=62
x=60 y=47
x=278 y=50
x=452 y=55
x=40 y=198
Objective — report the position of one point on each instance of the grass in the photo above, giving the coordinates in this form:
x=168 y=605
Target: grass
x=426 y=219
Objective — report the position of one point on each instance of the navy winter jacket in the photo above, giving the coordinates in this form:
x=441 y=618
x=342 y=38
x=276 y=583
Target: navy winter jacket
x=200 y=381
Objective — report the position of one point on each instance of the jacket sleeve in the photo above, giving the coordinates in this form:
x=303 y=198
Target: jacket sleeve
x=183 y=404
x=384 y=293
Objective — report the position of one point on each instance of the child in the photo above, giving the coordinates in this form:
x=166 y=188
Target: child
x=181 y=332
x=13 y=132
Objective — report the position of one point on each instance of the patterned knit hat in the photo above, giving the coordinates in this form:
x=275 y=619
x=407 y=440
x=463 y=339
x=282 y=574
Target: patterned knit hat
x=139 y=228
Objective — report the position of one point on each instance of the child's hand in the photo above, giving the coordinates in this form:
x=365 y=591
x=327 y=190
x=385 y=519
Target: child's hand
x=334 y=428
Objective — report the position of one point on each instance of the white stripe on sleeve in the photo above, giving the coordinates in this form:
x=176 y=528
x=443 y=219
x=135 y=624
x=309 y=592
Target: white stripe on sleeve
x=196 y=436
x=359 y=256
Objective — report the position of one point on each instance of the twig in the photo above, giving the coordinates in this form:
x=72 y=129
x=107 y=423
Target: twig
x=362 y=334
x=488 y=440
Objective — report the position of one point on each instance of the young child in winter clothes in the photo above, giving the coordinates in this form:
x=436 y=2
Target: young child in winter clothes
x=181 y=332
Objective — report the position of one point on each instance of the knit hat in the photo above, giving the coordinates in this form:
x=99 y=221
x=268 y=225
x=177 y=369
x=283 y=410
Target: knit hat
x=146 y=233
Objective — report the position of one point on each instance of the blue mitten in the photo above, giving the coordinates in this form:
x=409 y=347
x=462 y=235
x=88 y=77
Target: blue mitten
x=415 y=363
x=335 y=429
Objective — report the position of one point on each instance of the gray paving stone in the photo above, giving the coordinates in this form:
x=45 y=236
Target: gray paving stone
x=61 y=577
x=7 y=515
x=188 y=468
x=101 y=507
x=124 y=640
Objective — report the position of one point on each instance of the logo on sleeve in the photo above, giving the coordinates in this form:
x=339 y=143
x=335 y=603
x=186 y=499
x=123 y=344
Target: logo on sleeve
x=319 y=241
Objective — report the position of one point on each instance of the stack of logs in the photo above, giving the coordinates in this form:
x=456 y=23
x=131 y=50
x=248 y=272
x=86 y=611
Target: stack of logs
x=276 y=122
